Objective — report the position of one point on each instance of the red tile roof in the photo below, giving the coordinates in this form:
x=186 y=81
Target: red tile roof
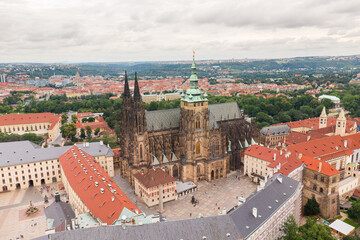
x=83 y=172
x=314 y=164
x=319 y=147
x=296 y=137
x=314 y=124
x=154 y=177
x=16 y=119
x=261 y=152
x=353 y=141
x=289 y=162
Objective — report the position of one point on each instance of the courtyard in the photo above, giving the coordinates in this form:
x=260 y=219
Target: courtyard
x=14 y=224
x=212 y=197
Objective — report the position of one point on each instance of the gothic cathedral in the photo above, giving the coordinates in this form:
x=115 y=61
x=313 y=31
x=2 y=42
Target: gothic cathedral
x=196 y=142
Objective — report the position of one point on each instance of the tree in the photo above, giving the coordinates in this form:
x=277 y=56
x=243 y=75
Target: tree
x=88 y=131
x=327 y=103
x=82 y=133
x=312 y=207
x=354 y=211
x=97 y=130
x=313 y=230
x=352 y=237
x=64 y=118
x=73 y=118
x=68 y=130
x=290 y=229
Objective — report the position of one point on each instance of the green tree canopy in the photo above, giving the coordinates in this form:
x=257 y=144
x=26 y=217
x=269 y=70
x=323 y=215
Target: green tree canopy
x=311 y=207
x=68 y=130
x=74 y=118
x=82 y=133
x=354 y=211
x=88 y=131
x=64 y=118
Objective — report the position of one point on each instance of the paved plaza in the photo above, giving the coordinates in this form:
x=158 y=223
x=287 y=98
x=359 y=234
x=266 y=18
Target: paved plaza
x=212 y=197
x=14 y=224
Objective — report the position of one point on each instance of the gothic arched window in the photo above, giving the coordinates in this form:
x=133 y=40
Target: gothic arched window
x=197 y=149
x=141 y=152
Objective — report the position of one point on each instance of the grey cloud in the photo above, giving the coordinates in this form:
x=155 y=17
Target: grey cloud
x=125 y=30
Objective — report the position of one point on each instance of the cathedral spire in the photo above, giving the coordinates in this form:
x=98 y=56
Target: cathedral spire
x=193 y=93
x=127 y=93
x=137 y=95
x=194 y=78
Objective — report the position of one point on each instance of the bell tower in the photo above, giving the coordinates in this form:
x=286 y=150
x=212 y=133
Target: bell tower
x=194 y=125
x=323 y=119
x=340 y=124
x=140 y=152
x=126 y=120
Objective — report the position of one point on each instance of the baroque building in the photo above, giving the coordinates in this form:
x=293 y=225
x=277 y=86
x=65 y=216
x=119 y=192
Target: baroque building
x=199 y=141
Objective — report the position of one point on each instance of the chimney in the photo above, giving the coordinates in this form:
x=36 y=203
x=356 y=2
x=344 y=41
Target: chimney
x=254 y=212
x=279 y=178
x=280 y=152
x=300 y=155
x=308 y=138
x=73 y=223
x=320 y=165
x=101 y=142
x=345 y=143
x=274 y=156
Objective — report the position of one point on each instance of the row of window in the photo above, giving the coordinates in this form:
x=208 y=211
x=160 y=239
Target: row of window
x=10 y=180
x=27 y=128
x=322 y=178
x=32 y=164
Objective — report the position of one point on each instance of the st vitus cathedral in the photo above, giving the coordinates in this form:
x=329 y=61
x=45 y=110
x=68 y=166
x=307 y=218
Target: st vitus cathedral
x=196 y=142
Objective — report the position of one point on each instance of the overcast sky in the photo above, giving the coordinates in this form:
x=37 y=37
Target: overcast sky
x=143 y=30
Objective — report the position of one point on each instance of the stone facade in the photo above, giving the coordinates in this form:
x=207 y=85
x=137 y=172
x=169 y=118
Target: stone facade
x=325 y=189
x=196 y=142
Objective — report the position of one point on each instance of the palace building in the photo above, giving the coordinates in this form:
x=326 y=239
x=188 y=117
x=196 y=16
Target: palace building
x=24 y=164
x=199 y=141
x=38 y=123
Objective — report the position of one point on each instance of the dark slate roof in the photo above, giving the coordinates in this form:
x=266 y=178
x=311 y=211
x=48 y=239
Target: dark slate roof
x=162 y=119
x=23 y=152
x=214 y=228
x=60 y=211
x=170 y=118
x=225 y=111
x=267 y=202
x=275 y=130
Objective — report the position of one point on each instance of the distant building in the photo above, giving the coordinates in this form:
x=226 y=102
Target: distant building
x=160 y=97
x=38 y=123
x=334 y=99
x=2 y=78
x=325 y=125
x=149 y=185
x=271 y=136
x=98 y=122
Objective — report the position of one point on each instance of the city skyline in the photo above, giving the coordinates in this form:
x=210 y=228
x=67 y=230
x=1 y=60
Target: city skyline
x=112 y=31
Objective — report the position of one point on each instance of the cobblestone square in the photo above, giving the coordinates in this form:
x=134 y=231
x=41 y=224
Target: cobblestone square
x=13 y=221
x=212 y=197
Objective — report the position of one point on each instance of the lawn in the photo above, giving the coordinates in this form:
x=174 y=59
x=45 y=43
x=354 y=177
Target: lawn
x=349 y=221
